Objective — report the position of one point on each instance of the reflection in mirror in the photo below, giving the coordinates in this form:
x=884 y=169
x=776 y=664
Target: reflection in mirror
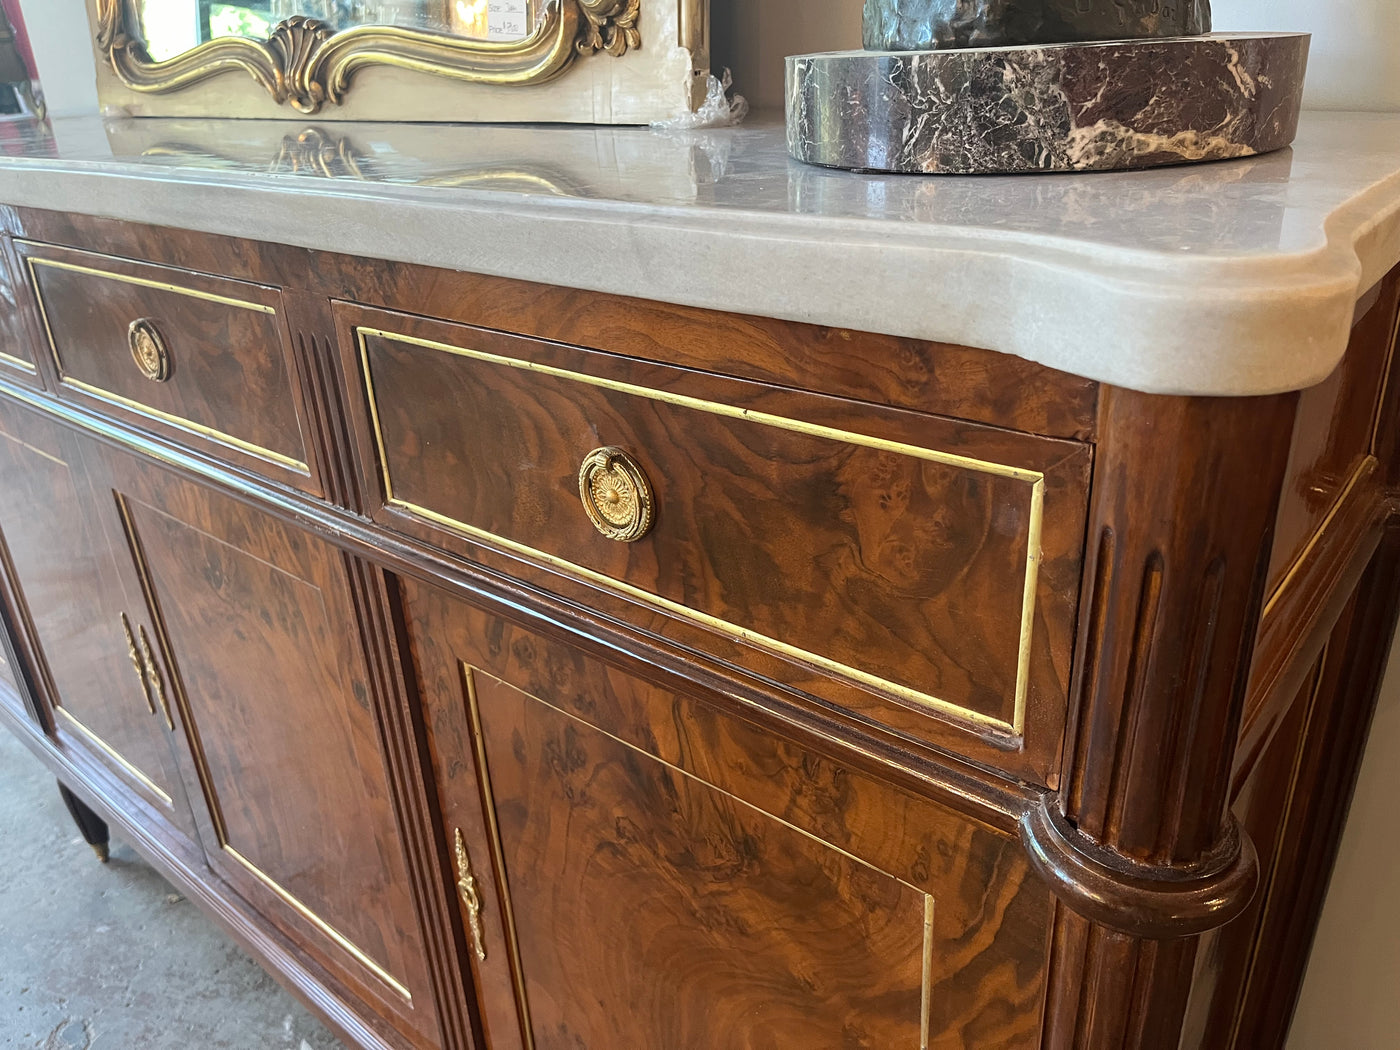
x=172 y=27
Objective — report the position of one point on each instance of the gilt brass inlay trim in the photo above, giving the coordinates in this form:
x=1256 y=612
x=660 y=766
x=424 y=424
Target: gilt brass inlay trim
x=18 y=362
x=1035 y=479
x=925 y=999
x=310 y=916
x=1385 y=386
x=143 y=282
x=1267 y=885
x=191 y=735
x=466 y=887
x=188 y=425
x=479 y=739
x=111 y=752
x=1364 y=469
x=488 y=805
x=138 y=407
x=306 y=64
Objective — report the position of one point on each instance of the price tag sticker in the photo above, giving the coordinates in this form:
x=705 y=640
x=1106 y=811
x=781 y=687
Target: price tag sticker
x=505 y=20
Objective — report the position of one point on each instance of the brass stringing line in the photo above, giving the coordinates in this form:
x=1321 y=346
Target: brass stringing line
x=1268 y=894
x=136 y=406
x=112 y=753
x=497 y=850
x=30 y=448
x=1385 y=384
x=925 y=1005
x=146 y=282
x=928 y=905
x=44 y=315
x=320 y=923
x=725 y=627
x=716 y=789
x=1363 y=469
x=718 y=409
x=206 y=778
x=187 y=425
x=18 y=362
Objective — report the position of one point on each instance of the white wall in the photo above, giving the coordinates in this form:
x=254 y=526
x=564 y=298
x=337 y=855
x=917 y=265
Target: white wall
x=58 y=30
x=1355 y=60
x=1355 y=57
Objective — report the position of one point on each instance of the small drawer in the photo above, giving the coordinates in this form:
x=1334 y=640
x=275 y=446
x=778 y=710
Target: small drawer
x=200 y=359
x=929 y=564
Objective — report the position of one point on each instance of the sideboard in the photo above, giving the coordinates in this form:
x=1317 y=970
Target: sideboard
x=532 y=654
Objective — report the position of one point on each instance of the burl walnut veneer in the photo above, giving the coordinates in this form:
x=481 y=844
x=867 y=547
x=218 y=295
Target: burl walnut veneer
x=516 y=668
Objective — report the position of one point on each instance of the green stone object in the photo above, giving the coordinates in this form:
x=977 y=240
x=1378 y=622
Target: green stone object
x=929 y=25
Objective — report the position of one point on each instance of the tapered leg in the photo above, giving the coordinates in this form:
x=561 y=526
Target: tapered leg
x=92 y=827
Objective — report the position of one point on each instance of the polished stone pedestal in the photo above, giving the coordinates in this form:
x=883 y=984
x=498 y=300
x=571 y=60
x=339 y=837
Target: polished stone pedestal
x=1057 y=107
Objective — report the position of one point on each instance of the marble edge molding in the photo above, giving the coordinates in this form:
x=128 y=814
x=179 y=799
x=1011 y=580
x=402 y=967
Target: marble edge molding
x=1237 y=325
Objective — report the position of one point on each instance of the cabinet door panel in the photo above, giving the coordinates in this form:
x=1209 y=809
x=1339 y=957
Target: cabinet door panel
x=63 y=548
x=648 y=871
x=260 y=636
x=654 y=910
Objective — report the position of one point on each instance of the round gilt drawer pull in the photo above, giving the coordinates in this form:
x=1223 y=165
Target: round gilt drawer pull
x=616 y=494
x=148 y=350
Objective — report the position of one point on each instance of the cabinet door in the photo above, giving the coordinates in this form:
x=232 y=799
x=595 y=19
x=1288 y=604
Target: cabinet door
x=637 y=870
x=260 y=641
x=64 y=550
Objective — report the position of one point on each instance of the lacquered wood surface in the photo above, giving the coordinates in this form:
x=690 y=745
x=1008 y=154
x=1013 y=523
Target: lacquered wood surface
x=17 y=345
x=359 y=679
x=230 y=383
x=64 y=554
x=598 y=780
x=252 y=618
x=958 y=381
x=1334 y=431
x=907 y=561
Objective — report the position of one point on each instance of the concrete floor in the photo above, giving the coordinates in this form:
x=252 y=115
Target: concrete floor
x=110 y=957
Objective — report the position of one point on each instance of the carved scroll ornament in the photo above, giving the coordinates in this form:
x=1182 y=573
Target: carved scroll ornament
x=306 y=64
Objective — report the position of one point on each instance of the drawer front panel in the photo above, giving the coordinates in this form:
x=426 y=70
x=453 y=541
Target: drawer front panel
x=214 y=367
x=905 y=555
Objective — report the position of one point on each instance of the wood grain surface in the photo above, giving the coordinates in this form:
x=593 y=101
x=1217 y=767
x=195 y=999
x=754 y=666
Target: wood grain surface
x=231 y=387
x=703 y=811
x=899 y=550
x=252 y=616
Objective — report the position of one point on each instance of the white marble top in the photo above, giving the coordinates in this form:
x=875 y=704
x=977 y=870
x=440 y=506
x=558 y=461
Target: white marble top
x=1232 y=278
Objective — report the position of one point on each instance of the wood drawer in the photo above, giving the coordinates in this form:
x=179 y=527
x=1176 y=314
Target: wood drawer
x=217 y=372
x=918 y=572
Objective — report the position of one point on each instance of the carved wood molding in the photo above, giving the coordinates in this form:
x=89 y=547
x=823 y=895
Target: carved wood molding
x=1151 y=902
x=306 y=64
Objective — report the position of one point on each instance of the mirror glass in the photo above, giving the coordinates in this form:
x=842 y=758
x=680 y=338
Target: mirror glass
x=172 y=27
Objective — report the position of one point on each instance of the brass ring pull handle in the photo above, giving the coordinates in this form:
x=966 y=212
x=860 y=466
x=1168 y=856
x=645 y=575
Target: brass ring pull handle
x=466 y=886
x=616 y=494
x=148 y=350
x=136 y=662
x=157 y=682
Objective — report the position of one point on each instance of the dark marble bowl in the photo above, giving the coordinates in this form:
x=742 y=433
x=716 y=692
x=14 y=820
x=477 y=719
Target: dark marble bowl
x=928 y=25
x=1057 y=107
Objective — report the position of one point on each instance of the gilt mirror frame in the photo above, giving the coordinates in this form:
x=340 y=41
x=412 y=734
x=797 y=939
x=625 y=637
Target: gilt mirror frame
x=306 y=64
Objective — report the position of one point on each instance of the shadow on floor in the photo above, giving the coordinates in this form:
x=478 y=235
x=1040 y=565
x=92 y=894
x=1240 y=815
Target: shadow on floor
x=110 y=957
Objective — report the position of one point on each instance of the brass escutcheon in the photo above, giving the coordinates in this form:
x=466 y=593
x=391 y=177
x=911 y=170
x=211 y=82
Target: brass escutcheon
x=148 y=350
x=616 y=494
